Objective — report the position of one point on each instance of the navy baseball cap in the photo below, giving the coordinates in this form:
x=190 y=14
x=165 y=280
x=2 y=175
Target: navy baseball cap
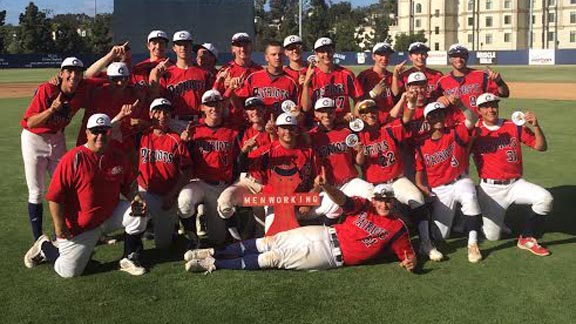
x=457 y=50
x=418 y=47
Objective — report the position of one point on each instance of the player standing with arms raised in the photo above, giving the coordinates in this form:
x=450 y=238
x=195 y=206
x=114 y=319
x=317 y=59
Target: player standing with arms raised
x=498 y=157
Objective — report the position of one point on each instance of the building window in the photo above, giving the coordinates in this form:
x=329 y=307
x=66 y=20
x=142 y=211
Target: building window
x=573 y=17
x=488 y=39
x=507 y=20
x=470 y=38
x=489 y=21
x=436 y=46
x=437 y=30
x=507 y=4
x=437 y=13
x=551 y=3
x=573 y=36
x=551 y=37
x=572 y=1
x=551 y=17
x=533 y=19
x=418 y=8
x=417 y=23
x=488 y=4
x=470 y=5
x=507 y=37
x=470 y=21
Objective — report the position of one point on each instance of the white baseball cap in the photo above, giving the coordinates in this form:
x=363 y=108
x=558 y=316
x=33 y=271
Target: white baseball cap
x=207 y=46
x=182 y=36
x=382 y=48
x=160 y=102
x=157 y=34
x=98 y=120
x=322 y=103
x=118 y=69
x=286 y=119
x=323 y=41
x=383 y=191
x=73 y=62
x=292 y=39
x=418 y=47
x=242 y=37
x=416 y=77
x=211 y=95
x=485 y=98
x=433 y=106
x=253 y=101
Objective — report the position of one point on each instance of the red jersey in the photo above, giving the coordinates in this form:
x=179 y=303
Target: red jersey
x=293 y=73
x=420 y=127
x=498 y=153
x=262 y=139
x=141 y=72
x=383 y=161
x=364 y=234
x=446 y=158
x=43 y=98
x=468 y=87
x=275 y=159
x=273 y=89
x=88 y=186
x=340 y=85
x=432 y=77
x=161 y=160
x=214 y=151
x=184 y=88
x=368 y=79
x=337 y=158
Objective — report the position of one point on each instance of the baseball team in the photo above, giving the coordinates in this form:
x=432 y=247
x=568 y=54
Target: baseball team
x=171 y=147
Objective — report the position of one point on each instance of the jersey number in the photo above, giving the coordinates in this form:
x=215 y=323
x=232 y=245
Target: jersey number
x=454 y=162
x=511 y=156
x=387 y=159
x=472 y=101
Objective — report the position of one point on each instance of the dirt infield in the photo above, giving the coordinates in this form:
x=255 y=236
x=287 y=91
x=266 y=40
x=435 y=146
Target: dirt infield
x=523 y=90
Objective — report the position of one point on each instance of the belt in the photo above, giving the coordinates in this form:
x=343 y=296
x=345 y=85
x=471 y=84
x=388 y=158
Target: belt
x=186 y=117
x=499 y=182
x=336 y=251
x=215 y=183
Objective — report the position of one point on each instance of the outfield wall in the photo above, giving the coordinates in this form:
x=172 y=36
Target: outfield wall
x=524 y=57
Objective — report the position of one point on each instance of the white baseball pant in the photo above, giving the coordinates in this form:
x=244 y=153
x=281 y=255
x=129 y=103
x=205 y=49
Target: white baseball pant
x=41 y=154
x=303 y=248
x=461 y=191
x=407 y=193
x=495 y=199
x=232 y=196
x=75 y=252
x=197 y=192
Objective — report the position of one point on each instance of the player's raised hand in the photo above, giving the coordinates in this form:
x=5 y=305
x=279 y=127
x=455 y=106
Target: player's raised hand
x=493 y=75
x=186 y=135
x=398 y=68
x=308 y=75
x=223 y=75
x=163 y=65
x=118 y=50
x=411 y=97
x=250 y=144
x=531 y=119
x=57 y=103
x=378 y=89
x=270 y=127
x=409 y=262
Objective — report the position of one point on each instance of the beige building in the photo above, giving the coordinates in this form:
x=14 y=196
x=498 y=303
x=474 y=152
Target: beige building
x=490 y=24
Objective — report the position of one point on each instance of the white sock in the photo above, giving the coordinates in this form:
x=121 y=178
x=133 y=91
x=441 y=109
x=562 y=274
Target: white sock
x=472 y=237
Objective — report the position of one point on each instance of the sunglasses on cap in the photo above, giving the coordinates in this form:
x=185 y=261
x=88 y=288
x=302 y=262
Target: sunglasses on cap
x=100 y=131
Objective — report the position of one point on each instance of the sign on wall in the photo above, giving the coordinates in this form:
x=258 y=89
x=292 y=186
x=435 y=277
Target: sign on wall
x=486 y=58
x=541 y=57
x=437 y=58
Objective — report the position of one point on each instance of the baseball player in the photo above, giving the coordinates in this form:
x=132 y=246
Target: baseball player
x=214 y=148
x=382 y=162
x=296 y=63
x=43 y=142
x=441 y=174
x=376 y=81
x=157 y=41
x=327 y=79
x=467 y=83
x=249 y=182
x=498 y=157
x=369 y=229
x=118 y=53
x=206 y=59
x=271 y=84
x=84 y=203
x=183 y=83
x=418 y=54
x=337 y=159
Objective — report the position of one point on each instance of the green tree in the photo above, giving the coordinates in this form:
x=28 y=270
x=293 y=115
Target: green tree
x=404 y=40
x=315 y=22
x=68 y=42
x=35 y=34
x=101 y=35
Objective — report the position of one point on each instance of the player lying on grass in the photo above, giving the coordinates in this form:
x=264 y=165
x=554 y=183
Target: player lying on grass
x=370 y=227
x=498 y=156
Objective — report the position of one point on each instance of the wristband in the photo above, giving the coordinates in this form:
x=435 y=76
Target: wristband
x=373 y=94
x=411 y=106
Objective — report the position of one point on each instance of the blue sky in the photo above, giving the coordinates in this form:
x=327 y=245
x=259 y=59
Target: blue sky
x=15 y=7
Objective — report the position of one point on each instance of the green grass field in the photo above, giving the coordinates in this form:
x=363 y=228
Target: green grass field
x=509 y=286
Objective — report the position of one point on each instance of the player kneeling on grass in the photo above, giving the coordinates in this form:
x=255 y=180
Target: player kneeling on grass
x=441 y=173
x=370 y=228
x=84 y=202
x=498 y=156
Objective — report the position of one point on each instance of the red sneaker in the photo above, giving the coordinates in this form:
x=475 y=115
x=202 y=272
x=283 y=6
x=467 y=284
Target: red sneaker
x=530 y=244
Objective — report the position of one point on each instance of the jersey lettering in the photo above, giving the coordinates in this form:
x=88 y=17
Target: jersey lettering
x=376 y=233
x=440 y=156
x=147 y=155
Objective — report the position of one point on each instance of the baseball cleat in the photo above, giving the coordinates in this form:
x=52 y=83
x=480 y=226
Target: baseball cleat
x=431 y=252
x=198 y=254
x=35 y=256
x=530 y=244
x=474 y=255
x=133 y=267
x=199 y=265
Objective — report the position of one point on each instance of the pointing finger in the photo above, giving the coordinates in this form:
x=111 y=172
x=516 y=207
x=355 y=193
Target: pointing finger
x=125 y=44
x=136 y=102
